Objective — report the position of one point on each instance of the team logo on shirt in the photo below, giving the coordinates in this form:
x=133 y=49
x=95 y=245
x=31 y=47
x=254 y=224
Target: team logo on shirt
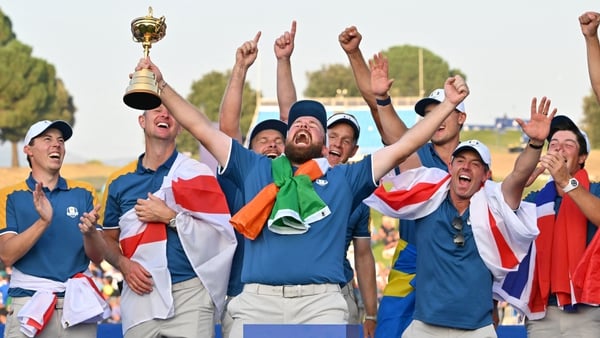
x=72 y=212
x=321 y=182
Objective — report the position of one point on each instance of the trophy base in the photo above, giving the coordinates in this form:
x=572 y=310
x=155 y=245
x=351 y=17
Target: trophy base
x=142 y=99
x=142 y=92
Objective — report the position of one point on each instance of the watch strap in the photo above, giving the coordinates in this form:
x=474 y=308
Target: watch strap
x=573 y=183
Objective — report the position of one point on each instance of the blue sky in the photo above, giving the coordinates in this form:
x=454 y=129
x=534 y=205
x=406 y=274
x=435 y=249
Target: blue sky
x=510 y=50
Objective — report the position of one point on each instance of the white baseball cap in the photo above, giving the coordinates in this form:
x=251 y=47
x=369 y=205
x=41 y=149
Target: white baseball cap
x=479 y=147
x=344 y=118
x=437 y=96
x=39 y=127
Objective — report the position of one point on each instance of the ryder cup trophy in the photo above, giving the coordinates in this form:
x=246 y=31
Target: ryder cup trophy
x=143 y=92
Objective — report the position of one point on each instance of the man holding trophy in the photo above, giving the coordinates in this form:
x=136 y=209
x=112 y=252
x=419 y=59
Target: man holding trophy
x=166 y=223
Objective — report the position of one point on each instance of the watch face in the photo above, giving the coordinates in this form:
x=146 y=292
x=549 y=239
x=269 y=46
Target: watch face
x=573 y=182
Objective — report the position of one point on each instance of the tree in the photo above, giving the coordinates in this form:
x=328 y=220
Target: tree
x=404 y=68
x=206 y=95
x=6 y=32
x=329 y=79
x=591 y=119
x=29 y=90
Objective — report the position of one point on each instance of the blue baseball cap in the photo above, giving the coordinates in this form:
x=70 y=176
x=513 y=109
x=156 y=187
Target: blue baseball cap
x=308 y=108
x=271 y=124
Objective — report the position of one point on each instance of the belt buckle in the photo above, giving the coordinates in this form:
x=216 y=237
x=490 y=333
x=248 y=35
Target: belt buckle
x=292 y=291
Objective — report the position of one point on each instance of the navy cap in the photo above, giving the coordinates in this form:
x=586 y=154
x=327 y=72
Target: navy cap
x=271 y=124
x=562 y=122
x=308 y=108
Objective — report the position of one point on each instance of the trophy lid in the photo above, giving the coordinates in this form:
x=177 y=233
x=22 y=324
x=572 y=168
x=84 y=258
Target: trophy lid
x=148 y=29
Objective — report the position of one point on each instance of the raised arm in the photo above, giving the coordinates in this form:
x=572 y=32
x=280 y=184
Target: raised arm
x=589 y=22
x=231 y=106
x=190 y=117
x=389 y=157
x=389 y=125
x=393 y=127
x=286 y=91
x=537 y=130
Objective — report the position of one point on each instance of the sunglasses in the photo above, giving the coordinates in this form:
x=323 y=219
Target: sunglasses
x=459 y=238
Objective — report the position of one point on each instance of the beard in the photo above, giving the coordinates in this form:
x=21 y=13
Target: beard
x=300 y=155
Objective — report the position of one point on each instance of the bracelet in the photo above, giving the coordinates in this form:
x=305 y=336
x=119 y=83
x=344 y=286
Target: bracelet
x=384 y=102
x=373 y=318
x=161 y=86
x=535 y=146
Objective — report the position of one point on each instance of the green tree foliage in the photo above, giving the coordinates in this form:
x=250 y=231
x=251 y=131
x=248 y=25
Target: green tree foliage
x=29 y=90
x=591 y=119
x=403 y=67
x=329 y=79
x=6 y=32
x=207 y=94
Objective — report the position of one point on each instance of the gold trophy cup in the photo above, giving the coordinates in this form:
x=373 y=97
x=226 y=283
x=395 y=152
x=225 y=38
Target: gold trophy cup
x=143 y=92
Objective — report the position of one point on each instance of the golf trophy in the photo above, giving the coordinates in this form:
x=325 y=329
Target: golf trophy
x=143 y=92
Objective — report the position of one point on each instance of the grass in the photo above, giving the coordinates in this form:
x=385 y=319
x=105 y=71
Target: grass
x=496 y=141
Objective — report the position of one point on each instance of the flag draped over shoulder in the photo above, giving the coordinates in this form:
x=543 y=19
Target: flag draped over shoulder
x=558 y=261
x=289 y=204
x=502 y=236
x=191 y=189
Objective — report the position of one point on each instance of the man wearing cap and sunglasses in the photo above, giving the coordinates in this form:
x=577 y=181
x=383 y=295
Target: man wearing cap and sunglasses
x=49 y=233
x=298 y=208
x=469 y=174
x=468 y=235
x=397 y=303
x=557 y=284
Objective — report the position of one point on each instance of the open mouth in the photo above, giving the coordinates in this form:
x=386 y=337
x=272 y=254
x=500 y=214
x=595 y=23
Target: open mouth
x=302 y=137
x=163 y=125
x=54 y=156
x=271 y=155
x=335 y=153
x=464 y=178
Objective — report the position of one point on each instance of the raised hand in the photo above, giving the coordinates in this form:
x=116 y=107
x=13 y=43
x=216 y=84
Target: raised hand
x=589 y=22
x=146 y=63
x=284 y=45
x=455 y=89
x=538 y=127
x=350 y=39
x=380 y=83
x=246 y=54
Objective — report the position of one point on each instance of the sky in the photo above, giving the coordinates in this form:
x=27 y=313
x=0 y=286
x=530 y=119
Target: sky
x=510 y=51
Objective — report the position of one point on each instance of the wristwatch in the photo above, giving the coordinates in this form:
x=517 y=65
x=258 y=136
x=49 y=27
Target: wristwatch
x=573 y=183
x=172 y=223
